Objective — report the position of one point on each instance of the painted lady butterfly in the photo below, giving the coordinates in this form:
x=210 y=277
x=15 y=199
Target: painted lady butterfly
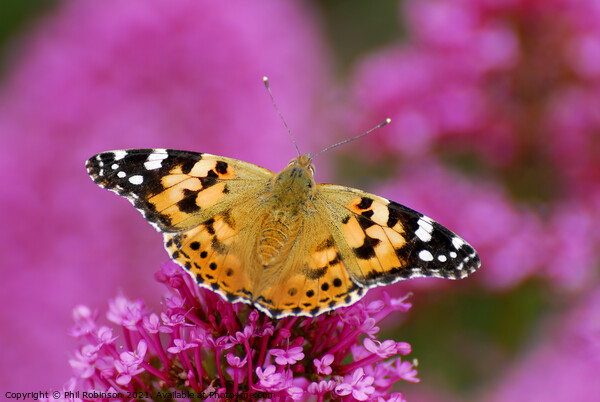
x=281 y=242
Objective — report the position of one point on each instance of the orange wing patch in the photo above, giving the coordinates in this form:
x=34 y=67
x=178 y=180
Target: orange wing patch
x=186 y=194
x=205 y=252
x=322 y=285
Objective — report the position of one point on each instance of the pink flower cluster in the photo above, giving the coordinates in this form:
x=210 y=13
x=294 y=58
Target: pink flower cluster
x=202 y=343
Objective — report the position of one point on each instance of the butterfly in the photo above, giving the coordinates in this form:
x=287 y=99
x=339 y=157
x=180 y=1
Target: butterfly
x=279 y=241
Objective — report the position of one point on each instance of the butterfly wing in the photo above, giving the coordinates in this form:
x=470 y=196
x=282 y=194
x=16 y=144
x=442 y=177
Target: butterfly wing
x=194 y=199
x=175 y=190
x=352 y=241
x=313 y=279
x=382 y=242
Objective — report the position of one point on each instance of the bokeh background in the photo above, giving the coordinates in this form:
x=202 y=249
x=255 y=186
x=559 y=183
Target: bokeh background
x=495 y=133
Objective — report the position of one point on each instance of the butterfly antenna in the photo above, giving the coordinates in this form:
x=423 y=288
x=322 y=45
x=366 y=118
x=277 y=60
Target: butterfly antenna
x=386 y=121
x=266 y=80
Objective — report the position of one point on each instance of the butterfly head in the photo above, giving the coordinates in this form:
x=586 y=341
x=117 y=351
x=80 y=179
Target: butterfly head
x=296 y=181
x=303 y=162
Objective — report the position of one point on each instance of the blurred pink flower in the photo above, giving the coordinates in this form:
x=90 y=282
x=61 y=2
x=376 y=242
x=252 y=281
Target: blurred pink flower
x=479 y=75
x=95 y=76
x=477 y=79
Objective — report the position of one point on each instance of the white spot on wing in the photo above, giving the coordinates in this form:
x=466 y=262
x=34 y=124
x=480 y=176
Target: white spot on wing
x=121 y=175
x=425 y=229
x=137 y=179
x=152 y=165
x=457 y=242
x=442 y=258
x=155 y=159
x=119 y=155
x=425 y=255
x=114 y=166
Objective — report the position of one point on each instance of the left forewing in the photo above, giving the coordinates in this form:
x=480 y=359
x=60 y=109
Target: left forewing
x=176 y=190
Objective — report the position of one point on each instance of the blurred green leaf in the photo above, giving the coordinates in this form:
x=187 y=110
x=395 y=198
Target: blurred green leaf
x=462 y=337
x=355 y=27
x=16 y=16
